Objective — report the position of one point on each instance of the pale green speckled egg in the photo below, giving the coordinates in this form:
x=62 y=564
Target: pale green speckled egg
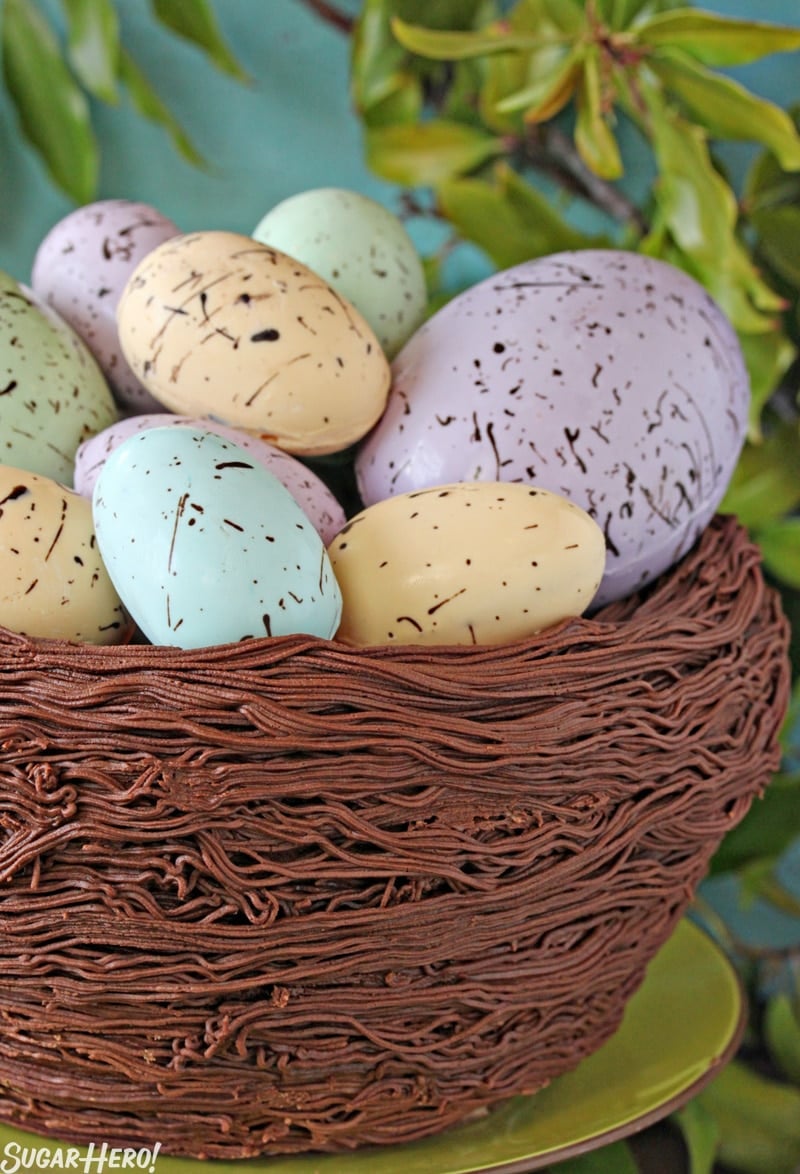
x=361 y=249
x=53 y=395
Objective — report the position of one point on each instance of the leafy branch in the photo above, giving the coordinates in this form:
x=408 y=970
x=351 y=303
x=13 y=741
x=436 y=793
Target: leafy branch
x=88 y=60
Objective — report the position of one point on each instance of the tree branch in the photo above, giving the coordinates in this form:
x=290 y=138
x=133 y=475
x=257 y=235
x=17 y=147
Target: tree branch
x=331 y=15
x=552 y=151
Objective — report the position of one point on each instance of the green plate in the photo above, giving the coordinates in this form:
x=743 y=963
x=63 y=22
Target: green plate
x=683 y=1023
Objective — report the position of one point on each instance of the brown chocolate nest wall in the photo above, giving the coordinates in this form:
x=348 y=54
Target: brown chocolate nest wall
x=285 y=895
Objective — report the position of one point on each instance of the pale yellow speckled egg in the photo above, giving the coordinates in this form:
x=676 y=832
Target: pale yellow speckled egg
x=53 y=584
x=477 y=562
x=217 y=324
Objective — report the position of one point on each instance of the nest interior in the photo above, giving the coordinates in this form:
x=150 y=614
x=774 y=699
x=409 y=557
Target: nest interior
x=284 y=896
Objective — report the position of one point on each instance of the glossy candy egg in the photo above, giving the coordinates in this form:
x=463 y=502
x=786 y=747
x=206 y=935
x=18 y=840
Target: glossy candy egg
x=603 y=375
x=471 y=563
x=53 y=583
x=361 y=249
x=52 y=393
x=81 y=268
x=206 y=546
x=308 y=490
x=217 y=324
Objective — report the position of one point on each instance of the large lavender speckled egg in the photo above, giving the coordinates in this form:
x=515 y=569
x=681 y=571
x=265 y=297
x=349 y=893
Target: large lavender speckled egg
x=603 y=375
x=81 y=268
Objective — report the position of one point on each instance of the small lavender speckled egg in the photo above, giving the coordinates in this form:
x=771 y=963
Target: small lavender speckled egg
x=81 y=268
x=52 y=393
x=309 y=491
x=205 y=545
x=471 y=563
x=217 y=324
x=54 y=584
x=361 y=248
x=604 y=375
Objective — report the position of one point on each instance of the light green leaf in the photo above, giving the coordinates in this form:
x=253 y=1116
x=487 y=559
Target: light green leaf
x=700 y=211
x=455 y=46
x=195 y=21
x=727 y=110
x=52 y=110
x=507 y=217
x=93 y=45
x=768 y=356
x=147 y=102
x=766 y=482
x=618 y=14
x=402 y=102
x=611 y=1159
x=384 y=90
x=700 y=1133
x=567 y=15
x=782 y=1034
x=780 y=548
x=593 y=135
x=717 y=40
x=427 y=153
x=549 y=93
x=758 y=1120
x=759 y=880
x=506 y=74
x=779 y=239
x=768 y=830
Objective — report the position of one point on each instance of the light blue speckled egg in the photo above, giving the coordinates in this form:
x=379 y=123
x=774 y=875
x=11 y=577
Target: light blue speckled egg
x=53 y=395
x=205 y=546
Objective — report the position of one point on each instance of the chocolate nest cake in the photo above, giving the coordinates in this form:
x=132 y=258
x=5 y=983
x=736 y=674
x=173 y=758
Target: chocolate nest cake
x=283 y=895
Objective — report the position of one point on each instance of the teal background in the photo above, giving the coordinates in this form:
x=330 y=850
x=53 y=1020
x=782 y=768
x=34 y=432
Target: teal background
x=292 y=128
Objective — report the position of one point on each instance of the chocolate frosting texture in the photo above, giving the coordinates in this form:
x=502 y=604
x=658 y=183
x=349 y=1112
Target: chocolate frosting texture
x=284 y=895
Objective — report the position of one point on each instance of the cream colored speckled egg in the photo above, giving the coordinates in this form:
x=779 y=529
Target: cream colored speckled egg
x=217 y=324
x=481 y=562
x=53 y=584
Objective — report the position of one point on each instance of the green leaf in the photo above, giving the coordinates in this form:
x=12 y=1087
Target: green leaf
x=455 y=46
x=766 y=482
x=593 y=135
x=759 y=880
x=616 y=1158
x=782 y=1035
x=93 y=46
x=727 y=110
x=768 y=829
x=53 y=111
x=507 y=74
x=768 y=356
x=383 y=88
x=717 y=40
x=427 y=153
x=507 y=217
x=779 y=239
x=758 y=1120
x=195 y=21
x=147 y=102
x=700 y=1133
x=780 y=549
x=567 y=15
x=618 y=14
x=549 y=93
x=700 y=210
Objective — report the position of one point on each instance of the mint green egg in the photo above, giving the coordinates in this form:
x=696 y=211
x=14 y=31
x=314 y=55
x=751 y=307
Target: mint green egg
x=53 y=395
x=361 y=249
x=205 y=546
